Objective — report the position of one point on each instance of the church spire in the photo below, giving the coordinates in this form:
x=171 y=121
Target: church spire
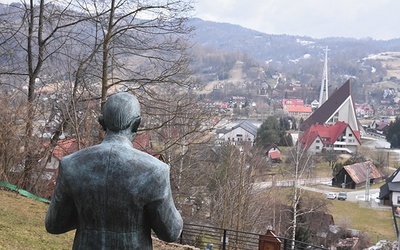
x=323 y=96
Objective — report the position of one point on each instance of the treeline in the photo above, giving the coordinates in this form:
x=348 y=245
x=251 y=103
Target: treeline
x=393 y=133
x=273 y=131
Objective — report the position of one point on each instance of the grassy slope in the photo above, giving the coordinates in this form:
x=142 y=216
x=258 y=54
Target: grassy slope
x=22 y=223
x=22 y=226
x=378 y=223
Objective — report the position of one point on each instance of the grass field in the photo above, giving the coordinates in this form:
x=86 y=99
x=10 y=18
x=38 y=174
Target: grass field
x=22 y=225
x=378 y=223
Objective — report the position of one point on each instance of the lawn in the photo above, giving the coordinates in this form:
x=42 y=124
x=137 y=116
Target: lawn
x=22 y=226
x=378 y=223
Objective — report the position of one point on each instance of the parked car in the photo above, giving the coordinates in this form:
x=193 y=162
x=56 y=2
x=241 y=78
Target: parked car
x=342 y=196
x=331 y=196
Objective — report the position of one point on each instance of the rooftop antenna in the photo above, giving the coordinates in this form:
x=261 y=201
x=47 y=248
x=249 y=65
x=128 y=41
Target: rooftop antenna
x=323 y=95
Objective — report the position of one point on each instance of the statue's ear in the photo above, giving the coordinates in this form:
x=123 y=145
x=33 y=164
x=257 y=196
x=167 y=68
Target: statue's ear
x=135 y=124
x=102 y=123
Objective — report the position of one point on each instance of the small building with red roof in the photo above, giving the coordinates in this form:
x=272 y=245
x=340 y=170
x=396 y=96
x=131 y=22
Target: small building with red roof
x=296 y=108
x=273 y=153
x=298 y=111
x=338 y=137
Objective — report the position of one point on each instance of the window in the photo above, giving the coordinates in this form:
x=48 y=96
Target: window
x=398 y=199
x=317 y=147
x=317 y=141
x=350 y=135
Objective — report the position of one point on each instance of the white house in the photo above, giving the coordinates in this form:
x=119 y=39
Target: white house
x=243 y=133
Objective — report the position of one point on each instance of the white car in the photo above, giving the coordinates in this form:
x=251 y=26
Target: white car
x=331 y=196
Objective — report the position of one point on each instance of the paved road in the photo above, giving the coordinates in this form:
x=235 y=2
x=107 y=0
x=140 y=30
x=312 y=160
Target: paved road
x=353 y=195
x=322 y=186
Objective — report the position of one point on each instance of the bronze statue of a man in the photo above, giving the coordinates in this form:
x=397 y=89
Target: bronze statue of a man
x=111 y=193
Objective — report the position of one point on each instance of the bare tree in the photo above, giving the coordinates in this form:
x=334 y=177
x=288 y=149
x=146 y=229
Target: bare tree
x=33 y=34
x=235 y=204
x=300 y=165
x=134 y=45
x=12 y=111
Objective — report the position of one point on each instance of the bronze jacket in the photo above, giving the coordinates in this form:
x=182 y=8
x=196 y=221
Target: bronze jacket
x=113 y=195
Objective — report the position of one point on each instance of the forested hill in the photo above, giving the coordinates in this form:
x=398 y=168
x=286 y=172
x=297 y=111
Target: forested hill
x=265 y=47
x=294 y=59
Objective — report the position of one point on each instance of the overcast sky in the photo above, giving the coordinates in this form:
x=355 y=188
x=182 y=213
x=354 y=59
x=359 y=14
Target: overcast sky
x=378 y=19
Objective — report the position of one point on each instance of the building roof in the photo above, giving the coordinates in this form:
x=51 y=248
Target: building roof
x=65 y=147
x=142 y=142
x=248 y=126
x=329 y=107
x=389 y=186
x=382 y=126
x=293 y=102
x=299 y=108
x=358 y=171
x=275 y=155
x=327 y=133
x=394 y=186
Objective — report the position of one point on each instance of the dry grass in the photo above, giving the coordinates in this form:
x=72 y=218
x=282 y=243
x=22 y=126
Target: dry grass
x=22 y=226
x=377 y=223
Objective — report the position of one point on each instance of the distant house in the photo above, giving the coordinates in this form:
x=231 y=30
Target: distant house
x=314 y=104
x=243 y=133
x=338 y=137
x=296 y=108
x=364 y=110
x=297 y=111
x=298 y=102
x=382 y=128
x=62 y=148
x=273 y=153
x=356 y=175
x=390 y=191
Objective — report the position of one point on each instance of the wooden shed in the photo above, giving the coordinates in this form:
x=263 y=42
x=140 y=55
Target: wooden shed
x=356 y=175
x=269 y=241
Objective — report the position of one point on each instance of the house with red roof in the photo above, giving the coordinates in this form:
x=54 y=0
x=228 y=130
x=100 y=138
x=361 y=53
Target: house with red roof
x=296 y=108
x=273 y=153
x=339 y=137
x=62 y=148
x=297 y=111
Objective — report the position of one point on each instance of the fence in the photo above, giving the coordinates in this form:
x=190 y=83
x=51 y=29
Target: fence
x=204 y=237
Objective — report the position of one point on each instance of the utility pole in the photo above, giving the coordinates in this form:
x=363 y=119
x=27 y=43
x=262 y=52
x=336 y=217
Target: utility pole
x=367 y=183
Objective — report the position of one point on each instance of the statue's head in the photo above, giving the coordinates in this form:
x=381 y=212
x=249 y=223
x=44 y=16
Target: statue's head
x=121 y=113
